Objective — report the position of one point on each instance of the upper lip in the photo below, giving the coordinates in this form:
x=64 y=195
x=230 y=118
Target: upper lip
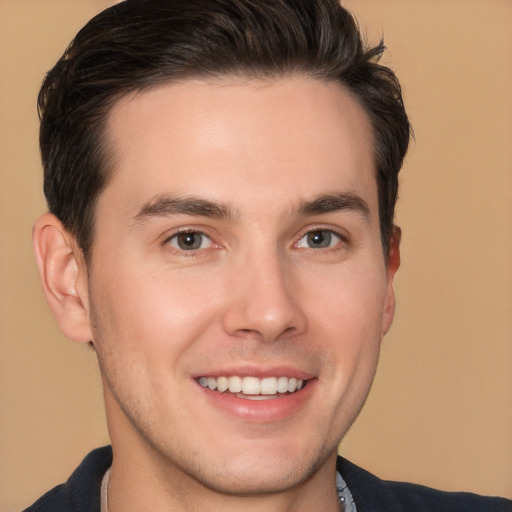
x=257 y=371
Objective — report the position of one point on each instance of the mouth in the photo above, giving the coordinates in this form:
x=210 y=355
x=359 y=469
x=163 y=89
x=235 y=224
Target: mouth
x=253 y=388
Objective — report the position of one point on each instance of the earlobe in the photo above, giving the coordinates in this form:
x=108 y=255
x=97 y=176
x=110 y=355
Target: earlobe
x=392 y=265
x=63 y=277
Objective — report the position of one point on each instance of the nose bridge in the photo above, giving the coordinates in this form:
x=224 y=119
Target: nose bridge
x=263 y=301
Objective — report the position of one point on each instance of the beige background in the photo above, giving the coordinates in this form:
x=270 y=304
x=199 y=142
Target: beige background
x=440 y=412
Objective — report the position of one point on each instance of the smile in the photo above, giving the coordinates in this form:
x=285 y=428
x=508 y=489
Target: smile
x=253 y=388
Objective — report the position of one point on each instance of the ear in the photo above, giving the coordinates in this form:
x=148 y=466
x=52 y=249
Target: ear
x=63 y=275
x=392 y=264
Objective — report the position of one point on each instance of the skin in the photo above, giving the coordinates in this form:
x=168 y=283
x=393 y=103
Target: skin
x=255 y=296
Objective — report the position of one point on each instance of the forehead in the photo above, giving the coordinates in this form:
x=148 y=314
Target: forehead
x=294 y=136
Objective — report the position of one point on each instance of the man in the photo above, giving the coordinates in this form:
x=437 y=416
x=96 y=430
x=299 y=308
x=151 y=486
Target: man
x=221 y=179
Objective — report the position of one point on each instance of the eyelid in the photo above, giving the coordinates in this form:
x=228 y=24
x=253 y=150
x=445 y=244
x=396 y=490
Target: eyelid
x=200 y=230
x=336 y=231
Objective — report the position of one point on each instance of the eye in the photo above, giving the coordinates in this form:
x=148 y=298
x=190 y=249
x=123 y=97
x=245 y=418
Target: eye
x=319 y=239
x=190 y=241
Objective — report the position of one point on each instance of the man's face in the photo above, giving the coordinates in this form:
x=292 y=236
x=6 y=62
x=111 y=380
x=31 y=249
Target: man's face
x=238 y=245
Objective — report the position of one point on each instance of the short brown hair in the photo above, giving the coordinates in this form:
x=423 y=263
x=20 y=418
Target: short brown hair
x=137 y=44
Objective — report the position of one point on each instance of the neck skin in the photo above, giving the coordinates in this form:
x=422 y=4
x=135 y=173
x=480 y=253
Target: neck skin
x=141 y=480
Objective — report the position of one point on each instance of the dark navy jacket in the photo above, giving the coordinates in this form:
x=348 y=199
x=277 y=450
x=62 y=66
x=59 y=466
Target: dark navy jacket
x=81 y=493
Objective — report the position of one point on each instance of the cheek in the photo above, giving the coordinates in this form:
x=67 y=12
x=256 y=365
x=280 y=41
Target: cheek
x=348 y=317
x=350 y=302
x=151 y=313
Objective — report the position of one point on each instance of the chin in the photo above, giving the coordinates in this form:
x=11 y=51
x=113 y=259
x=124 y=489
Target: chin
x=254 y=481
x=259 y=471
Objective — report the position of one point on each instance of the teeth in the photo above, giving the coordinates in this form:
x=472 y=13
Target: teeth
x=268 y=386
x=235 y=384
x=251 y=386
x=292 y=385
x=256 y=388
x=282 y=384
x=256 y=397
x=222 y=384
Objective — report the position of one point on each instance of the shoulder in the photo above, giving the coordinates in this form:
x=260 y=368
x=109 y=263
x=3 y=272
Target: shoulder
x=373 y=494
x=55 y=499
x=81 y=493
x=418 y=497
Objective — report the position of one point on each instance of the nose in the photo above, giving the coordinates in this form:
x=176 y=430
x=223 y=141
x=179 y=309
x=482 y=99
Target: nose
x=264 y=300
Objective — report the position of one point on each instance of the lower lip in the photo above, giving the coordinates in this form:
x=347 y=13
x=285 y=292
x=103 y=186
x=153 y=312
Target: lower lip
x=260 y=411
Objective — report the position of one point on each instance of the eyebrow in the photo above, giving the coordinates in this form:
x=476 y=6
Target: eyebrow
x=162 y=206
x=327 y=203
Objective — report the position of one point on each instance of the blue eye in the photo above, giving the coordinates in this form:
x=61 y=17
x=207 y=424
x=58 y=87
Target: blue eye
x=319 y=239
x=190 y=241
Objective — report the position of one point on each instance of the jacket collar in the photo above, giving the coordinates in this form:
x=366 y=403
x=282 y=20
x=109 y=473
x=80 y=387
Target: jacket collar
x=369 y=492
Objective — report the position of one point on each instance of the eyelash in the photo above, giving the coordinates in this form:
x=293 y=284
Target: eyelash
x=342 y=239
x=192 y=251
